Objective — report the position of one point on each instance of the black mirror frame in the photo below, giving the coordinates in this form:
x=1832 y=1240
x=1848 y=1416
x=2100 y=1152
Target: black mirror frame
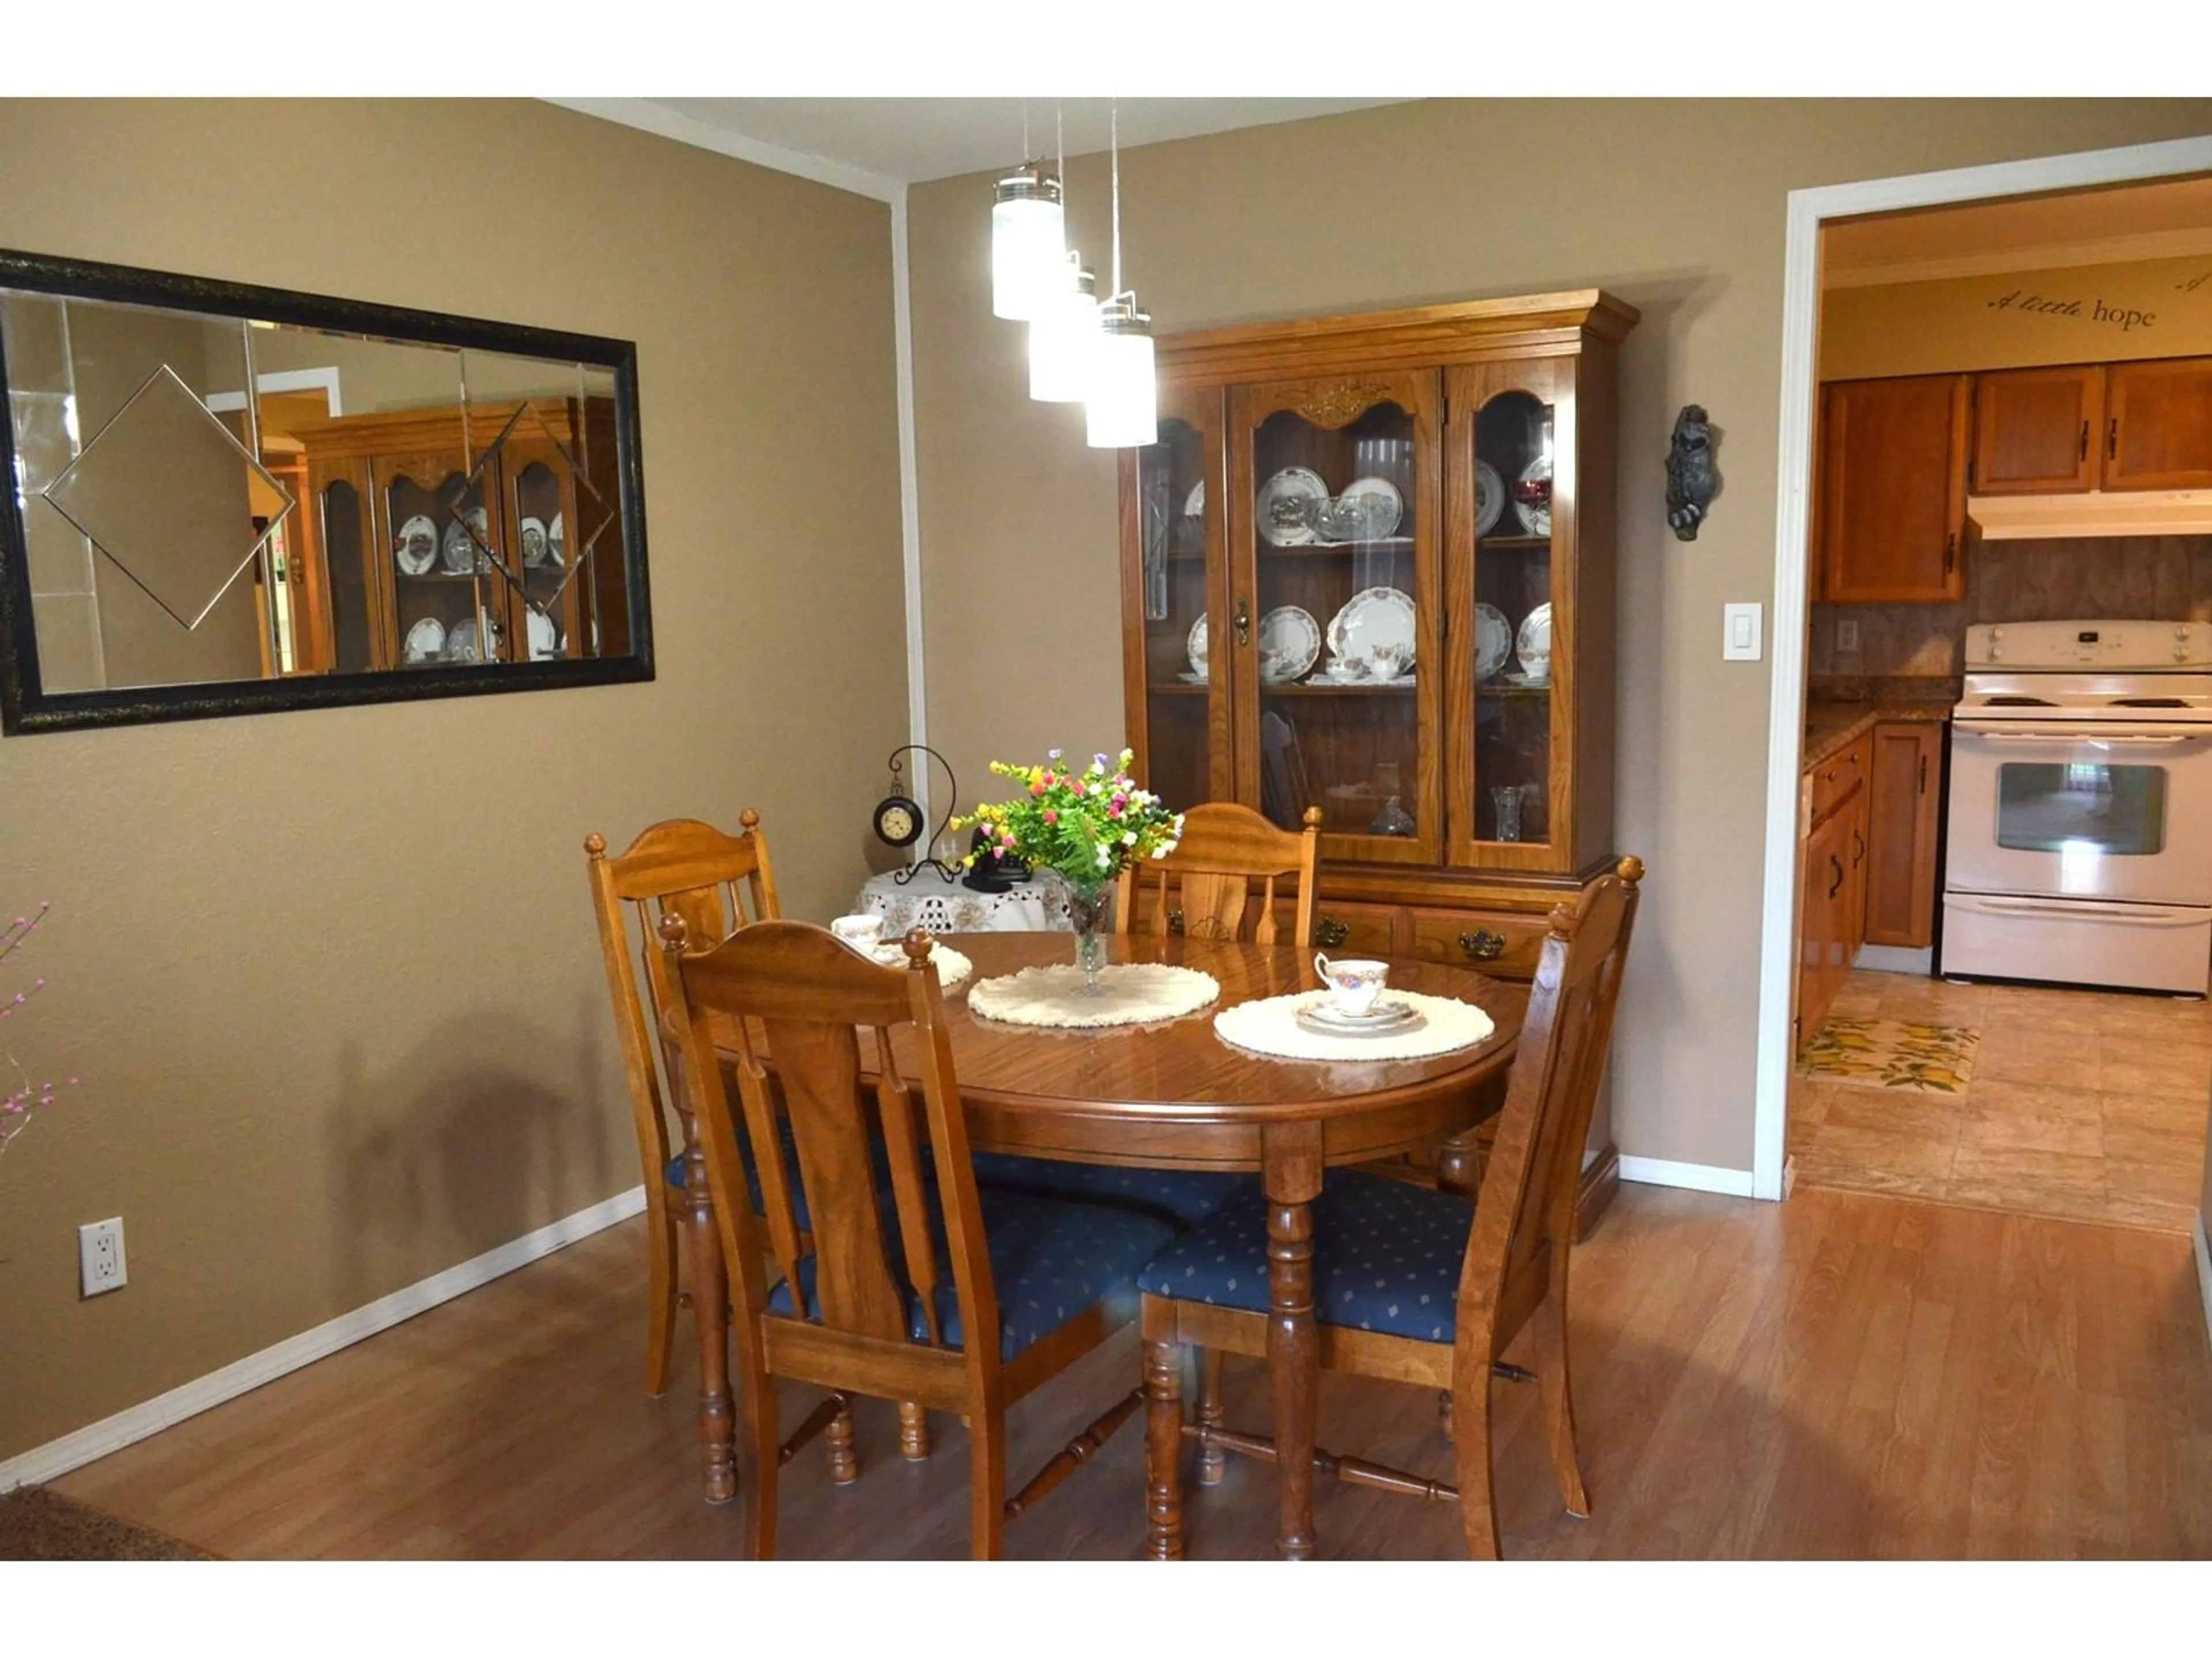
x=26 y=707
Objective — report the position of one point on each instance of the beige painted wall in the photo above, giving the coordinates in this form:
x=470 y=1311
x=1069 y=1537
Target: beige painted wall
x=1676 y=207
x=330 y=978
x=2083 y=314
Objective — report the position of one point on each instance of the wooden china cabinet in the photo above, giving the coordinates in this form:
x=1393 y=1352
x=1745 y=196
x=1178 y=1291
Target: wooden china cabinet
x=547 y=463
x=1465 y=794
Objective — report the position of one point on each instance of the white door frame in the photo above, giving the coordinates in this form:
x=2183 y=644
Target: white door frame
x=1801 y=313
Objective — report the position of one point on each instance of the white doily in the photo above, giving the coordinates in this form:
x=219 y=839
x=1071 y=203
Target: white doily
x=952 y=968
x=1270 y=1026
x=1132 y=993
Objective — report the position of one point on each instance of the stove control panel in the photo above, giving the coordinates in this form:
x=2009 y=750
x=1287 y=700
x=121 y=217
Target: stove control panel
x=2108 y=645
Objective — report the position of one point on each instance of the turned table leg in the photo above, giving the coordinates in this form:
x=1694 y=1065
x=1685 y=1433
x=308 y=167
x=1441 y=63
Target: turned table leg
x=1292 y=1175
x=710 y=1320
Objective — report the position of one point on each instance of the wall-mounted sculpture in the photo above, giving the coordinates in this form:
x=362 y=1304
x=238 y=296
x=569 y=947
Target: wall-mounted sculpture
x=1692 y=482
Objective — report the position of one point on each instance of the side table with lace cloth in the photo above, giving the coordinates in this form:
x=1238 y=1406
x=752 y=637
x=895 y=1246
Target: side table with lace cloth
x=929 y=900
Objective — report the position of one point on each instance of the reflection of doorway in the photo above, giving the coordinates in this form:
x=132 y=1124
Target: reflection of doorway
x=292 y=611
x=1808 y=211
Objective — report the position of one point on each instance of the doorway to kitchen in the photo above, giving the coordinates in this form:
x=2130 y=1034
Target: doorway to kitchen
x=1876 y=1072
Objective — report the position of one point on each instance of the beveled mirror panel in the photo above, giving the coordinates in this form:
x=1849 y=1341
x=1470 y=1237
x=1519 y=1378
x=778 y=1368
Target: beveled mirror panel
x=230 y=499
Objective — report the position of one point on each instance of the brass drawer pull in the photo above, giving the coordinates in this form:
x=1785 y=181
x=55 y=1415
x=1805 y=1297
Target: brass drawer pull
x=1329 y=933
x=1483 y=945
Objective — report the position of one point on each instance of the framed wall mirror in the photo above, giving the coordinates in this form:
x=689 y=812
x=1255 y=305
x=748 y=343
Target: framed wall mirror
x=230 y=499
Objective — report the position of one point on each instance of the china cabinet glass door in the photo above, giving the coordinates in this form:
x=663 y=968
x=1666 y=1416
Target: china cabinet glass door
x=1511 y=455
x=1334 y=510
x=1174 y=606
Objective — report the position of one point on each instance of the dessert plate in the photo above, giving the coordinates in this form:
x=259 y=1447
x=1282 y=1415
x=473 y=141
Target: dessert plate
x=1194 y=648
x=1489 y=497
x=1288 y=505
x=415 y=548
x=1494 y=641
x=1533 y=645
x=1376 y=619
x=1382 y=507
x=426 y=641
x=1290 y=644
x=1385 y=1019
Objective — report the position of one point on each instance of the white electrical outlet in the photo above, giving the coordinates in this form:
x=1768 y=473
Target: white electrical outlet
x=99 y=1256
x=1847 y=634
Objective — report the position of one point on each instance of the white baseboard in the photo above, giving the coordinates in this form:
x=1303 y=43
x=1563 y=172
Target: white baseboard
x=1896 y=959
x=2203 y=1244
x=97 y=1440
x=1698 y=1177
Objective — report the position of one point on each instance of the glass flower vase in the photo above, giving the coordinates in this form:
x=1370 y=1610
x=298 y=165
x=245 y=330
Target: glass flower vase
x=1091 y=914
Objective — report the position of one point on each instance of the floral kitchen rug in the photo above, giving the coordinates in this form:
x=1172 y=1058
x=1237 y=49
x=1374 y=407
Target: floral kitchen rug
x=1892 y=1053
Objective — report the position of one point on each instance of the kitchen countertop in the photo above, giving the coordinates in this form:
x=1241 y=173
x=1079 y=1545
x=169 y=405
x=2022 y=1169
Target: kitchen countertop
x=1837 y=716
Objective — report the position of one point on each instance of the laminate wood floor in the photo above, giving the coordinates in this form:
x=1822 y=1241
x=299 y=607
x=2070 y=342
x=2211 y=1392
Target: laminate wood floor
x=2082 y=1104
x=1838 y=1376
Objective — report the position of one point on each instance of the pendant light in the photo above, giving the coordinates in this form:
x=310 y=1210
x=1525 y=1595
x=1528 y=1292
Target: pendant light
x=1121 y=409
x=1064 y=337
x=1066 y=327
x=1029 y=238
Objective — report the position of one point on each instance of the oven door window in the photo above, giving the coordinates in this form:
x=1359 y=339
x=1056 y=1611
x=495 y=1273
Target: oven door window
x=2069 y=807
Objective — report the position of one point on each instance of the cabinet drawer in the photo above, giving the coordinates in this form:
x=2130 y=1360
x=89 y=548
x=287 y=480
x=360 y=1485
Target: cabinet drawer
x=1348 y=929
x=1505 y=943
x=1836 y=777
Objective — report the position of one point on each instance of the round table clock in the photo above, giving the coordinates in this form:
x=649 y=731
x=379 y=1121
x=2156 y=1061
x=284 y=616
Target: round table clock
x=898 y=821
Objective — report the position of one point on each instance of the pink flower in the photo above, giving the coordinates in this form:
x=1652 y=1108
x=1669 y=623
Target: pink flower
x=1037 y=788
x=1051 y=817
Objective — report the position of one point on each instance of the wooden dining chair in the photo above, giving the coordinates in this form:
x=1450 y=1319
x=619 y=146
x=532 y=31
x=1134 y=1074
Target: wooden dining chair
x=716 y=882
x=1204 y=889
x=1416 y=1285
x=940 y=1291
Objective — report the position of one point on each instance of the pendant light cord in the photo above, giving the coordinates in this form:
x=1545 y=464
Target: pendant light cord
x=1114 y=145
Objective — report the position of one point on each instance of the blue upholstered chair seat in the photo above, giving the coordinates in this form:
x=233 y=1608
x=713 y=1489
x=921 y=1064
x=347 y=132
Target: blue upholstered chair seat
x=1387 y=1256
x=674 y=1174
x=1049 y=1261
x=1182 y=1198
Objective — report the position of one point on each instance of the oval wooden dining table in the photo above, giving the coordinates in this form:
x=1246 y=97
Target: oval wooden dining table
x=1174 y=1096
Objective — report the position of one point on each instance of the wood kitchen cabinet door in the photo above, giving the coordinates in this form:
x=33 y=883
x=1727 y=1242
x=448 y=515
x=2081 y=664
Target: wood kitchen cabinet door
x=1823 y=949
x=1905 y=787
x=2037 y=431
x=2158 y=425
x=1893 y=490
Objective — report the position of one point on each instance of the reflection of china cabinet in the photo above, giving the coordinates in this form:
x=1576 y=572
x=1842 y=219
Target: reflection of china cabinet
x=516 y=501
x=1369 y=566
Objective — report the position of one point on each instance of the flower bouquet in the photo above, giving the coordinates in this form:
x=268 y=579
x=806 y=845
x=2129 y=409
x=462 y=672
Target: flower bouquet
x=1083 y=830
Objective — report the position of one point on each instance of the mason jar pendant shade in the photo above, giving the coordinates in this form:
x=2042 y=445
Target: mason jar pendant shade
x=1063 y=337
x=1121 y=409
x=1028 y=243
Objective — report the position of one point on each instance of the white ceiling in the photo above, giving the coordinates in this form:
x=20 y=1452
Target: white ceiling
x=907 y=140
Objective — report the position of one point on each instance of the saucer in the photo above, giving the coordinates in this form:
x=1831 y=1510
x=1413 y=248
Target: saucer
x=1387 y=1018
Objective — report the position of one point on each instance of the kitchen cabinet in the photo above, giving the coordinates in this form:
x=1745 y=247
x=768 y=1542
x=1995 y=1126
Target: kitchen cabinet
x=2039 y=431
x=1833 y=880
x=1893 y=489
x=2158 y=424
x=1905 y=787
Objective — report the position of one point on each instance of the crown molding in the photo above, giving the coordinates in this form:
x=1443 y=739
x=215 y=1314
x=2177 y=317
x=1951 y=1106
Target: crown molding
x=648 y=116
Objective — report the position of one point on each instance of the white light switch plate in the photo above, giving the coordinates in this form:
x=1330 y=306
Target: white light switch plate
x=1740 y=633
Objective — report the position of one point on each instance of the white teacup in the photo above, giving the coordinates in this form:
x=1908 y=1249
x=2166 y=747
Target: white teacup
x=863 y=933
x=1353 y=986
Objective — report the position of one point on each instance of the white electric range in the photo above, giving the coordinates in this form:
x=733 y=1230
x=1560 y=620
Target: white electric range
x=2079 y=846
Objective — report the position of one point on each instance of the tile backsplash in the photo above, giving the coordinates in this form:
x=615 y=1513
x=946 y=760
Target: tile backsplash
x=2161 y=578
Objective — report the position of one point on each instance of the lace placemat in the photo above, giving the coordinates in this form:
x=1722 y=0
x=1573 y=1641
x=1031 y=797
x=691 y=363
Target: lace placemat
x=1132 y=993
x=952 y=968
x=1270 y=1026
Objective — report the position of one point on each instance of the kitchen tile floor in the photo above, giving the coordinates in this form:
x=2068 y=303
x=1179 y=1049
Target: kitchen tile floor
x=2085 y=1105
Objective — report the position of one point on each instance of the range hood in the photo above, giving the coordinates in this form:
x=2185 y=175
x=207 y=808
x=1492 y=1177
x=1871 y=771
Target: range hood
x=2092 y=512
